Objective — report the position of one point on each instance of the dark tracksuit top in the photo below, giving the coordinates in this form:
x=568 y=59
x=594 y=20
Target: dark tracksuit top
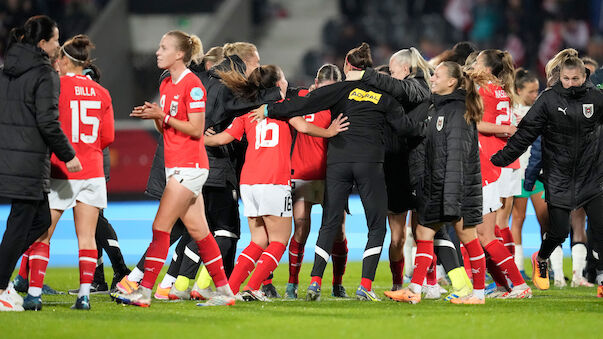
x=353 y=156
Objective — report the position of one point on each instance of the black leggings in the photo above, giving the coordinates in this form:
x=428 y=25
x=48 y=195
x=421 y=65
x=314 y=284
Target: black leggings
x=444 y=247
x=560 y=227
x=369 y=180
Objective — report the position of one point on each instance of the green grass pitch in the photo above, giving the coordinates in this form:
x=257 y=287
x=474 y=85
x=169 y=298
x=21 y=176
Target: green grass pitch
x=556 y=313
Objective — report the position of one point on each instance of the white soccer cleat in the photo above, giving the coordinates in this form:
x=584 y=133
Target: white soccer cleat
x=580 y=281
x=201 y=293
x=8 y=304
x=176 y=294
x=17 y=299
x=518 y=292
x=432 y=292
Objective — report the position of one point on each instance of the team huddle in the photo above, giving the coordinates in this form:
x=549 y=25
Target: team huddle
x=455 y=145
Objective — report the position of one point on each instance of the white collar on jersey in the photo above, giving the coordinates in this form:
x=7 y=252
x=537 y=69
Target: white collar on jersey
x=186 y=71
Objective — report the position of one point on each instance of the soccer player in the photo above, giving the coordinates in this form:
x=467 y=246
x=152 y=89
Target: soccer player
x=569 y=118
x=494 y=73
x=86 y=116
x=180 y=117
x=446 y=176
x=308 y=170
x=265 y=178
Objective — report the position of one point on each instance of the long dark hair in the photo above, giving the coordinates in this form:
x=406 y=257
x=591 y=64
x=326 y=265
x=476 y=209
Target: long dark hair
x=501 y=64
x=360 y=57
x=260 y=78
x=77 y=49
x=35 y=29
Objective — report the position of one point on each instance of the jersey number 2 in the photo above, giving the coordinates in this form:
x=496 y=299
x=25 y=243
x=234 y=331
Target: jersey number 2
x=261 y=133
x=506 y=117
x=78 y=114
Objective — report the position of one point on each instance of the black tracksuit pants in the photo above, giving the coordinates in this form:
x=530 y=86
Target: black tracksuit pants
x=370 y=181
x=27 y=221
x=560 y=226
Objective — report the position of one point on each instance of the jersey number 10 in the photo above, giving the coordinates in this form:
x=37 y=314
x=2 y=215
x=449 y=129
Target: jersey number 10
x=78 y=114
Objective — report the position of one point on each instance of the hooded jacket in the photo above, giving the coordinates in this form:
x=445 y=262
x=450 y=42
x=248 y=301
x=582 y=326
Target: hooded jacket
x=445 y=169
x=569 y=121
x=29 y=125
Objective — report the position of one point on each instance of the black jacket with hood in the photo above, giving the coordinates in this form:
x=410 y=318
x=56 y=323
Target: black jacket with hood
x=569 y=121
x=29 y=125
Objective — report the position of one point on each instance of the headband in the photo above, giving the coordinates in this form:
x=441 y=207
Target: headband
x=353 y=67
x=70 y=57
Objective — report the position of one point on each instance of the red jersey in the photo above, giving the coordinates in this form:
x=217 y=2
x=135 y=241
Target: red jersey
x=178 y=99
x=267 y=159
x=86 y=116
x=497 y=110
x=490 y=172
x=309 y=156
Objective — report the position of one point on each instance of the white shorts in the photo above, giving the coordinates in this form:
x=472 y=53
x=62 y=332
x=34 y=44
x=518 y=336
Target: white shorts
x=312 y=191
x=190 y=177
x=65 y=193
x=509 y=183
x=266 y=199
x=491 y=198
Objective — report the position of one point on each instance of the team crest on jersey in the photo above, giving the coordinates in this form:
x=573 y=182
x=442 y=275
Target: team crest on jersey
x=174 y=108
x=197 y=93
x=440 y=123
x=588 y=110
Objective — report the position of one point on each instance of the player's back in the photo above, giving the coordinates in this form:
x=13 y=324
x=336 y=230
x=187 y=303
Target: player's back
x=86 y=116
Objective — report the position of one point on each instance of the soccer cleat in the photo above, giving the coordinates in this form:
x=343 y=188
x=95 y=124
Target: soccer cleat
x=366 y=295
x=176 y=294
x=117 y=277
x=82 y=303
x=140 y=297
x=162 y=293
x=432 y=292
x=496 y=293
x=338 y=291
x=8 y=303
x=313 y=293
x=560 y=283
x=404 y=295
x=253 y=295
x=396 y=287
x=291 y=291
x=95 y=288
x=463 y=292
x=518 y=292
x=31 y=303
x=14 y=296
x=219 y=300
x=125 y=286
x=490 y=288
x=270 y=291
x=201 y=293
x=578 y=281
x=50 y=291
x=468 y=300
x=540 y=273
x=21 y=284
x=600 y=291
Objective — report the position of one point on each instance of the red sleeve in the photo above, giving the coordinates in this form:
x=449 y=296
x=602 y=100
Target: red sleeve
x=195 y=96
x=237 y=128
x=107 y=132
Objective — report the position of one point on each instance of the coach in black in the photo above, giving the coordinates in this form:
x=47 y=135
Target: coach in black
x=569 y=118
x=29 y=129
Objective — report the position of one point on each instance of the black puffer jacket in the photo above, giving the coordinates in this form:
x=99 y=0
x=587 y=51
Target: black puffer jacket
x=446 y=170
x=29 y=125
x=569 y=121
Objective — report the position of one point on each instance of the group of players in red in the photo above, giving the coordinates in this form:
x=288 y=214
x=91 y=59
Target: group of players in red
x=277 y=183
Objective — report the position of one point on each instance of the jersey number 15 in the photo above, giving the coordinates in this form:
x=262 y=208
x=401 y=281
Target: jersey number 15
x=78 y=114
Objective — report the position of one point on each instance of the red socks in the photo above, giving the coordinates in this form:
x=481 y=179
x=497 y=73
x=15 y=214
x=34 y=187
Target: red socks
x=212 y=259
x=245 y=264
x=296 y=257
x=504 y=261
x=432 y=272
x=24 y=268
x=397 y=268
x=367 y=283
x=466 y=261
x=340 y=258
x=316 y=279
x=477 y=262
x=38 y=261
x=267 y=263
x=423 y=260
x=155 y=257
x=88 y=260
x=508 y=240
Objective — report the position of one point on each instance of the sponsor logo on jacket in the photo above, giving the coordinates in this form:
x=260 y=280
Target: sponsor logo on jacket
x=360 y=95
x=588 y=110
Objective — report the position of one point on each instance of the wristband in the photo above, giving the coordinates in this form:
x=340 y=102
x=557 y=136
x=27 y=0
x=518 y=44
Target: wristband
x=266 y=111
x=166 y=119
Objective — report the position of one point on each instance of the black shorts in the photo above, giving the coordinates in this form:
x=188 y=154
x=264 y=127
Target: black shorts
x=222 y=211
x=397 y=182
